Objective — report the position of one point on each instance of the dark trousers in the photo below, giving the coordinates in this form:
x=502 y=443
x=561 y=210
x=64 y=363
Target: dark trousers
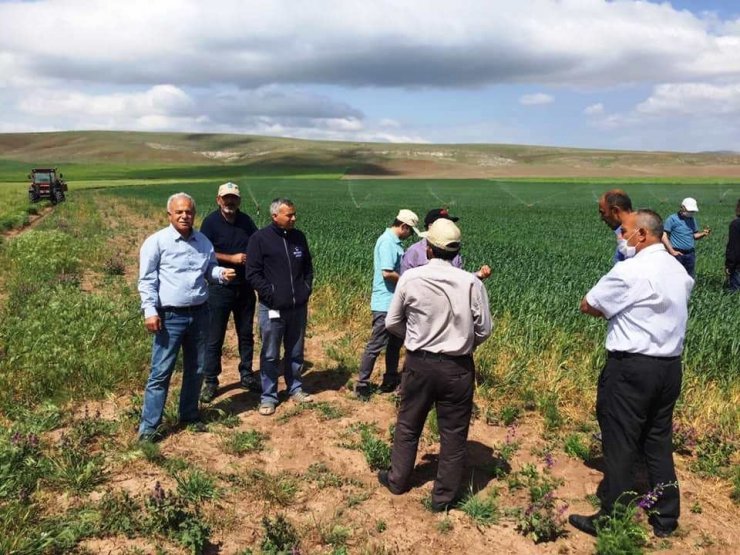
x=429 y=381
x=688 y=261
x=224 y=300
x=379 y=339
x=634 y=405
x=733 y=281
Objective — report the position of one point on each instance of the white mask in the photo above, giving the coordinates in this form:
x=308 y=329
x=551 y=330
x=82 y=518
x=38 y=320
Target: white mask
x=625 y=249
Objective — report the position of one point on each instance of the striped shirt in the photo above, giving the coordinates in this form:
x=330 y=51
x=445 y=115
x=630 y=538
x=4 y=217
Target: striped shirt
x=645 y=301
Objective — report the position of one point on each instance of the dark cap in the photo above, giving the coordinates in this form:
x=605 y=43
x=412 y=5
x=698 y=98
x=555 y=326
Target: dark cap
x=437 y=213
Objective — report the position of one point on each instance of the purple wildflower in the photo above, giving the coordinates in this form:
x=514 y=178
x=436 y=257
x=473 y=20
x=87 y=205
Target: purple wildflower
x=549 y=460
x=650 y=498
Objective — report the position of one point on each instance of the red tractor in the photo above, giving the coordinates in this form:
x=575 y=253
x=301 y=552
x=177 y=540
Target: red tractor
x=46 y=184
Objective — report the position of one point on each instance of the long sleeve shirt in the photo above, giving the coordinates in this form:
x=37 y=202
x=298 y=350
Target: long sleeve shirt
x=173 y=271
x=440 y=309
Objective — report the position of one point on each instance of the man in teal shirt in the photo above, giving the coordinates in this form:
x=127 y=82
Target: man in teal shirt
x=386 y=271
x=681 y=233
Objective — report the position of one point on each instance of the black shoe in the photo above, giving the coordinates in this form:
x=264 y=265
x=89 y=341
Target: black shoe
x=389 y=386
x=209 y=392
x=662 y=532
x=383 y=479
x=150 y=437
x=362 y=392
x=584 y=523
x=251 y=382
x=195 y=426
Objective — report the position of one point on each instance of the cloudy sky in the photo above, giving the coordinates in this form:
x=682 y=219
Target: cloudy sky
x=589 y=73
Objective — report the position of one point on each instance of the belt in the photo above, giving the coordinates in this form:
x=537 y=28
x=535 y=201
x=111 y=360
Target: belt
x=184 y=309
x=624 y=354
x=421 y=353
x=684 y=251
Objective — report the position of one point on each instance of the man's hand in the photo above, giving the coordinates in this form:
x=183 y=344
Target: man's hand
x=239 y=258
x=588 y=309
x=484 y=272
x=153 y=324
x=227 y=274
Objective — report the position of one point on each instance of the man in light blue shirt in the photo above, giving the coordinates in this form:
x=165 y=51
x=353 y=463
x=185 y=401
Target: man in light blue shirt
x=174 y=266
x=386 y=271
x=681 y=233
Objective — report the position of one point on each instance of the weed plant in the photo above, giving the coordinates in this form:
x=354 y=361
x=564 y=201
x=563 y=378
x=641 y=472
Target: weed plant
x=482 y=509
x=239 y=443
x=377 y=452
x=280 y=536
x=574 y=446
x=713 y=454
x=196 y=486
x=278 y=488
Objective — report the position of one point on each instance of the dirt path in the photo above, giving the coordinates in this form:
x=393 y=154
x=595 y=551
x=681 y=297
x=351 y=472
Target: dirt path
x=349 y=505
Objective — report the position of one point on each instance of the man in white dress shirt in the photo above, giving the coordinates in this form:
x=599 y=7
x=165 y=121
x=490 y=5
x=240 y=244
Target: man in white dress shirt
x=645 y=301
x=443 y=314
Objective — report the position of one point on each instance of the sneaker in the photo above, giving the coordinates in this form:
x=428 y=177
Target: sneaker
x=150 y=437
x=266 y=409
x=209 y=392
x=251 y=382
x=301 y=397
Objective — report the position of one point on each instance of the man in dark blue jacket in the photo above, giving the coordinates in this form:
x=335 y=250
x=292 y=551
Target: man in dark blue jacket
x=279 y=269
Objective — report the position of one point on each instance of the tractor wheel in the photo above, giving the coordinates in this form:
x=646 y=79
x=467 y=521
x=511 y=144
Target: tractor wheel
x=58 y=196
x=32 y=196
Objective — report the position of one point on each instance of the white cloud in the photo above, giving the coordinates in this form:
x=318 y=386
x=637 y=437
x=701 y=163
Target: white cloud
x=536 y=99
x=594 y=110
x=355 y=42
x=692 y=99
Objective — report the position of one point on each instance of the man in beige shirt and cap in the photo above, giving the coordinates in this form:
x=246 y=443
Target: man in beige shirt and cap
x=443 y=314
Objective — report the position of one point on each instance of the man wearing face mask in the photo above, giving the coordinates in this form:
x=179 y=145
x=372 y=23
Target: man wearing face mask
x=229 y=230
x=644 y=299
x=613 y=206
x=681 y=233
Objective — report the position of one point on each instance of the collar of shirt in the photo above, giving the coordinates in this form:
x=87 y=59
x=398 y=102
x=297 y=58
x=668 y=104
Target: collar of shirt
x=652 y=248
x=439 y=262
x=176 y=236
x=392 y=234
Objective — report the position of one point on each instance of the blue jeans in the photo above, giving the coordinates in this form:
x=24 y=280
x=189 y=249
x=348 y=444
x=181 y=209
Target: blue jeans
x=224 y=300
x=288 y=330
x=186 y=328
x=688 y=261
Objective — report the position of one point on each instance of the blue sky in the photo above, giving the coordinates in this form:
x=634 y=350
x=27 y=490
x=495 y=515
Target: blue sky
x=583 y=73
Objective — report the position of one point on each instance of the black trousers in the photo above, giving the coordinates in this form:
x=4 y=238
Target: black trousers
x=428 y=381
x=634 y=404
x=224 y=300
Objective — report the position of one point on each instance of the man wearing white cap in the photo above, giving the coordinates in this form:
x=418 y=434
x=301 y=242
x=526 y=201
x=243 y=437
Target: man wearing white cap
x=681 y=231
x=442 y=313
x=229 y=230
x=386 y=271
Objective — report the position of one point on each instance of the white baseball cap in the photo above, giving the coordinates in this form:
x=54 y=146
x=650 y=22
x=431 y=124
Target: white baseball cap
x=689 y=204
x=229 y=189
x=444 y=234
x=410 y=219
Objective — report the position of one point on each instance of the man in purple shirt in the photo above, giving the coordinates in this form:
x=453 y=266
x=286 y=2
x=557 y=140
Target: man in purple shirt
x=416 y=255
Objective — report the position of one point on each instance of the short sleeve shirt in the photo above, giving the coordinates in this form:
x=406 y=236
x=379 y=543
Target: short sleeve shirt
x=386 y=256
x=644 y=300
x=228 y=238
x=681 y=231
